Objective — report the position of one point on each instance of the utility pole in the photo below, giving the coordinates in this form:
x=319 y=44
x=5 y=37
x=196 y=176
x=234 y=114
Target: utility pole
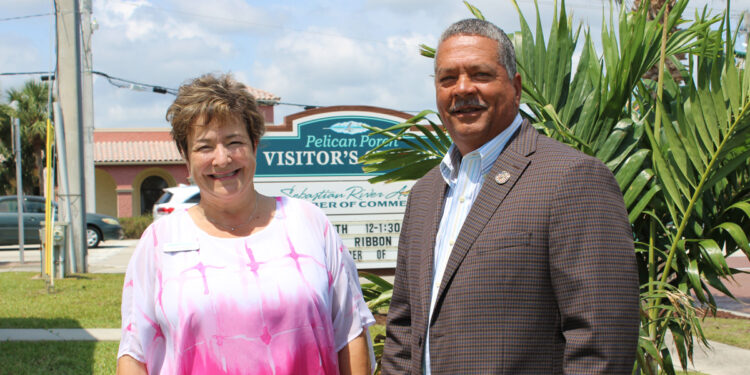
x=16 y=126
x=71 y=100
x=88 y=108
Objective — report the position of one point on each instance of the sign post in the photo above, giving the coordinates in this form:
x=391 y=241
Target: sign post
x=314 y=157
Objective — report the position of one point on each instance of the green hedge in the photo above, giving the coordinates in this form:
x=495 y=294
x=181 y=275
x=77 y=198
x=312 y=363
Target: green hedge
x=133 y=227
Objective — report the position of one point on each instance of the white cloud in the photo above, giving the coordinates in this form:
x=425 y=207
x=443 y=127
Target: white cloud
x=322 y=52
x=164 y=51
x=219 y=15
x=401 y=6
x=337 y=71
x=140 y=42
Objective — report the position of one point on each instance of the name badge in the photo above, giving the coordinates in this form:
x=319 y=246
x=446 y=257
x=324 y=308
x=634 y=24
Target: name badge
x=176 y=247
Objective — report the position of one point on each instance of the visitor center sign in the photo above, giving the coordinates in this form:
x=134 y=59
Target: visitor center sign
x=314 y=156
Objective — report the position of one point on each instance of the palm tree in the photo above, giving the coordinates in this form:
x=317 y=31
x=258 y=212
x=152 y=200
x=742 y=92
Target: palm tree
x=32 y=99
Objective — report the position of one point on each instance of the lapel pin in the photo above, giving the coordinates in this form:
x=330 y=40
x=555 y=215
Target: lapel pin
x=502 y=177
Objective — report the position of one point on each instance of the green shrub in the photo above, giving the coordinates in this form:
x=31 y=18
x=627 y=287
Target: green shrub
x=377 y=293
x=133 y=227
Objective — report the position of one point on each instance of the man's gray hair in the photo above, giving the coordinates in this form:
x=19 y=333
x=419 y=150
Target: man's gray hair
x=506 y=55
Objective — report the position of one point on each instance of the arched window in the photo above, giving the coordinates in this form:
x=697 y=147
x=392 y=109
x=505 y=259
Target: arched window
x=151 y=190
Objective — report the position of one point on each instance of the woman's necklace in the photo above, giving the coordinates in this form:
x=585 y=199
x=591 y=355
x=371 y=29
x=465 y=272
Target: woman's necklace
x=234 y=228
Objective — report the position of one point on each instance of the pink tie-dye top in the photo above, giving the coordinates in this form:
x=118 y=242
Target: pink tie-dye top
x=283 y=300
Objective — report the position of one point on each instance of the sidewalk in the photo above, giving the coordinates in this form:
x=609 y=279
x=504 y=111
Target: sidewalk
x=720 y=359
x=60 y=334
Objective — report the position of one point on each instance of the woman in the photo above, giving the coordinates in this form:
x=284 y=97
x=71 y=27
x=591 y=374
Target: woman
x=241 y=283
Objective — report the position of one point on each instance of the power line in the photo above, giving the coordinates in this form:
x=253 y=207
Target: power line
x=24 y=73
x=25 y=17
x=306 y=106
x=134 y=85
x=115 y=81
x=144 y=87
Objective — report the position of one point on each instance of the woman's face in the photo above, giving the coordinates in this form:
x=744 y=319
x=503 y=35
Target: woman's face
x=221 y=160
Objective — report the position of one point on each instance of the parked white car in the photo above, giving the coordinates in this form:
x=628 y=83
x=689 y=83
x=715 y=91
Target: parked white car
x=174 y=198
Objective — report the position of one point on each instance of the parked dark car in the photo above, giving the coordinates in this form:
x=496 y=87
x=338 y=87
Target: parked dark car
x=98 y=227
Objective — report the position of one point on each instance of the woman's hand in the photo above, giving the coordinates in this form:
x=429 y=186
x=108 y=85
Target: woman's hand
x=354 y=358
x=128 y=365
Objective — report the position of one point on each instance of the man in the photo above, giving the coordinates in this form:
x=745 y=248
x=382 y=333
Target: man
x=517 y=249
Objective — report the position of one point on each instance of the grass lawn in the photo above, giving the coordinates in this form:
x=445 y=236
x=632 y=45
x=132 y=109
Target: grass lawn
x=86 y=300
x=735 y=332
x=57 y=357
x=93 y=301
x=90 y=300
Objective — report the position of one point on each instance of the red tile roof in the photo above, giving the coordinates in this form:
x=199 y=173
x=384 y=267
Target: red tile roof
x=132 y=134
x=262 y=95
x=136 y=152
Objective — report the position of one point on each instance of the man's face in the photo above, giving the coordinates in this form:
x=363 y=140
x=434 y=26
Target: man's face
x=475 y=97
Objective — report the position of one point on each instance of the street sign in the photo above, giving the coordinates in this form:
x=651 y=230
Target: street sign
x=314 y=157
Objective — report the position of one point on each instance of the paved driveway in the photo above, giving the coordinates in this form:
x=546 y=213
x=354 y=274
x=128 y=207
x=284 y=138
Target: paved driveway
x=110 y=257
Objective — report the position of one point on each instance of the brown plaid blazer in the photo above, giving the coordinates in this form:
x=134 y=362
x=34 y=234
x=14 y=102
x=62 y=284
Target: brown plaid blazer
x=542 y=278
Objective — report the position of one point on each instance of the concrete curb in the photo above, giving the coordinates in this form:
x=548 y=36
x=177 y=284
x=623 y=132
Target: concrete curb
x=737 y=313
x=60 y=334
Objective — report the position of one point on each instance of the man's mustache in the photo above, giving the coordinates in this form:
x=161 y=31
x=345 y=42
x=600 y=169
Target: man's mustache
x=468 y=102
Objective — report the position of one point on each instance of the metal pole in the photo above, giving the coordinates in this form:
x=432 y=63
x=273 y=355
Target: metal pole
x=62 y=166
x=87 y=106
x=83 y=263
x=19 y=185
x=69 y=93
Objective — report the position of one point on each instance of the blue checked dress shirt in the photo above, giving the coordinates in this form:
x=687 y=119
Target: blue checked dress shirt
x=464 y=176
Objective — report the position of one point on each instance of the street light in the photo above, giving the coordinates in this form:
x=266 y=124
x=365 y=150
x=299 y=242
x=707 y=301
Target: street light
x=16 y=128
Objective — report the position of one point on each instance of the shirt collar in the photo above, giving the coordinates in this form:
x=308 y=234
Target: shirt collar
x=488 y=153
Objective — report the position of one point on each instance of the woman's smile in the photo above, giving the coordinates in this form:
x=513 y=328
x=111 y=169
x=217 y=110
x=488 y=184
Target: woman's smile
x=225 y=175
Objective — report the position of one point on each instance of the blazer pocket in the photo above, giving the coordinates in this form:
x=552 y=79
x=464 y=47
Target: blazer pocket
x=499 y=241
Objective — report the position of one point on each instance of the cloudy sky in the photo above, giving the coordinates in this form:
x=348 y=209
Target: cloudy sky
x=315 y=52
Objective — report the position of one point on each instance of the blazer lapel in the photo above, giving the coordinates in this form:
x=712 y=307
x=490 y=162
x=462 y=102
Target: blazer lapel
x=432 y=221
x=512 y=160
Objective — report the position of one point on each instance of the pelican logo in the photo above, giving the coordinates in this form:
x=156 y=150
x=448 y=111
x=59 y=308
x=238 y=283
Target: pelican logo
x=348 y=127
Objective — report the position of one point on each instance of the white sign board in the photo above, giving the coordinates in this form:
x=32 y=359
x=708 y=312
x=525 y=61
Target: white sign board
x=314 y=157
